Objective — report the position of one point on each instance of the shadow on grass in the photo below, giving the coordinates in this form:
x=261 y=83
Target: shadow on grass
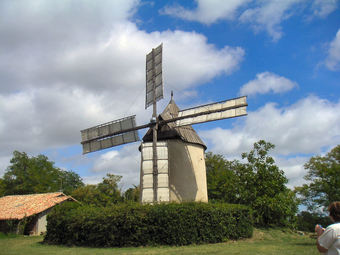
x=304 y=244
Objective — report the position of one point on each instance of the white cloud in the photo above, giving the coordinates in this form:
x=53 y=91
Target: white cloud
x=207 y=11
x=188 y=60
x=4 y=163
x=261 y=15
x=264 y=15
x=67 y=70
x=35 y=34
x=267 y=82
x=294 y=169
x=268 y=15
x=322 y=8
x=304 y=127
x=94 y=179
x=89 y=86
x=125 y=162
x=46 y=117
x=333 y=59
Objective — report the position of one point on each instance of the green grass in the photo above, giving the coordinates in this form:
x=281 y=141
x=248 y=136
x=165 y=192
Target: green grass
x=272 y=241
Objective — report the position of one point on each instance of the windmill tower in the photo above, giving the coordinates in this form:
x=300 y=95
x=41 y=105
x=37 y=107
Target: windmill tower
x=172 y=165
x=181 y=167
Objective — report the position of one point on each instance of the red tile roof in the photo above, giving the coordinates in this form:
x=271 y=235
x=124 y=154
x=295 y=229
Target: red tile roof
x=20 y=206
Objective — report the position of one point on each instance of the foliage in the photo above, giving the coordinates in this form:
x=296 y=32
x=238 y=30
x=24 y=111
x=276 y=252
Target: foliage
x=18 y=227
x=2 y=187
x=266 y=191
x=258 y=183
x=306 y=221
x=9 y=226
x=103 y=194
x=222 y=181
x=323 y=178
x=27 y=175
x=135 y=225
x=70 y=181
x=132 y=194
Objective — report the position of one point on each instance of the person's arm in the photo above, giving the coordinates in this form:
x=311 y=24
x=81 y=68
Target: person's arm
x=319 y=231
x=320 y=248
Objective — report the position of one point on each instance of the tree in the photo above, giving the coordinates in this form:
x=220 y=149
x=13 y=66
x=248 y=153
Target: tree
x=306 y=221
x=323 y=176
x=27 y=175
x=88 y=194
x=222 y=180
x=258 y=183
x=132 y=194
x=272 y=201
x=70 y=181
x=103 y=194
x=109 y=188
x=2 y=187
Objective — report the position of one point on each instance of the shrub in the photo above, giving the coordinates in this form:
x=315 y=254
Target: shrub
x=18 y=227
x=9 y=226
x=136 y=225
x=306 y=221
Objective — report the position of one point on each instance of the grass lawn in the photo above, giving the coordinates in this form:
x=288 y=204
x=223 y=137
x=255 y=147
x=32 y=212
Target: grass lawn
x=273 y=241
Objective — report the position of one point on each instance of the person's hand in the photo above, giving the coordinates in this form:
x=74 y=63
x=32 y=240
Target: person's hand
x=319 y=229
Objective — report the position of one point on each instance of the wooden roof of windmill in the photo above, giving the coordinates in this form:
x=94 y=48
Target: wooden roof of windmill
x=170 y=131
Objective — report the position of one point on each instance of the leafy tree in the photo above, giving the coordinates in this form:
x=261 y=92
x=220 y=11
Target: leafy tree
x=323 y=178
x=27 y=175
x=258 y=183
x=70 y=181
x=222 y=180
x=88 y=194
x=306 y=221
x=103 y=194
x=132 y=194
x=109 y=188
x=266 y=192
x=2 y=187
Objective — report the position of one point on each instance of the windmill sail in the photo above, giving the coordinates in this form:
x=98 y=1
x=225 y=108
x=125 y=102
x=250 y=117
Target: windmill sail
x=223 y=110
x=154 y=84
x=110 y=134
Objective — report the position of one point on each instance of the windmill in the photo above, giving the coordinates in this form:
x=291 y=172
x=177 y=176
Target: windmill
x=161 y=177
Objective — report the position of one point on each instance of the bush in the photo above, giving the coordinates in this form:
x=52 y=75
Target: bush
x=306 y=221
x=18 y=227
x=136 y=225
x=9 y=226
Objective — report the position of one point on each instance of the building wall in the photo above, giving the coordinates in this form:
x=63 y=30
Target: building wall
x=37 y=224
x=147 y=177
x=41 y=222
x=187 y=172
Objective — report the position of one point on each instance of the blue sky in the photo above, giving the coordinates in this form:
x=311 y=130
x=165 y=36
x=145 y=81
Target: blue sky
x=69 y=65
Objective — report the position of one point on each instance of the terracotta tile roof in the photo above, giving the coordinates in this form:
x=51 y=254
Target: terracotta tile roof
x=20 y=206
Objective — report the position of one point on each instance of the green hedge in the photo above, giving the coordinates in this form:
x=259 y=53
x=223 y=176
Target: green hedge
x=136 y=225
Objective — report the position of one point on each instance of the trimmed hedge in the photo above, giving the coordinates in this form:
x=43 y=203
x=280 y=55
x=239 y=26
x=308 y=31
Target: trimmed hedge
x=140 y=225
